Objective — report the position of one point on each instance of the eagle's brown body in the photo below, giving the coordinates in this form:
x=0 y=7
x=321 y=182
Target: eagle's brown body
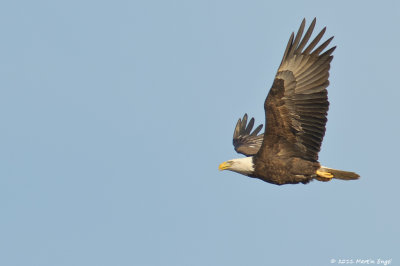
x=286 y=170
x=295 y=111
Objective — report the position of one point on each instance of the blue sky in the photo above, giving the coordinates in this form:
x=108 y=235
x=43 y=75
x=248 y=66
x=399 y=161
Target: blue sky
x=115 y=115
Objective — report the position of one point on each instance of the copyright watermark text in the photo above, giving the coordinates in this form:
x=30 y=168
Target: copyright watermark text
x=378 y=261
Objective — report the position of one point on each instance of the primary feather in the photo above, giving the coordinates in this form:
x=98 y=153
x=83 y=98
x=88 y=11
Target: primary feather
x=245 y=141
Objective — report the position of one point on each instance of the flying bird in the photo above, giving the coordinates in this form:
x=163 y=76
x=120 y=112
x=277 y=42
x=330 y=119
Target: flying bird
x=295 y=117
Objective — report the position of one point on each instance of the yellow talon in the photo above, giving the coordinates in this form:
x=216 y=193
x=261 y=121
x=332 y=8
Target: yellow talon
x=324 y=174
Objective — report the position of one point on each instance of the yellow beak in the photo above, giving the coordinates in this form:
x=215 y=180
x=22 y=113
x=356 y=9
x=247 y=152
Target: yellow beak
x=224 y=166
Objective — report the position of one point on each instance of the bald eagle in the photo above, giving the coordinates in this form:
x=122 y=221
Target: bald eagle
x=295 y=110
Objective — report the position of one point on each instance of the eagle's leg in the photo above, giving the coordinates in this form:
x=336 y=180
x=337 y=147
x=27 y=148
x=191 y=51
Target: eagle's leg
x=323 y=176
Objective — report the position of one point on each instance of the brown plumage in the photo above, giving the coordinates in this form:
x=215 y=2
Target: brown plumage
x=296 y=109
x=244 y=140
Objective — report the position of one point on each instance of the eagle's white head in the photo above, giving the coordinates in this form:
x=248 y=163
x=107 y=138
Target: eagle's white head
x=244 y=166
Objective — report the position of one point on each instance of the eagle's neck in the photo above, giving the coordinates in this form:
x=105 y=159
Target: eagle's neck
x=244 y=166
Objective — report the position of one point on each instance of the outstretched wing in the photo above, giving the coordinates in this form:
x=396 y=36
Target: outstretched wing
x=297 y=104
x=245 y=141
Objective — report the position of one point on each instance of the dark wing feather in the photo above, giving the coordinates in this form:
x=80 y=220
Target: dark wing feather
x=245 y=141
x=297 y=104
